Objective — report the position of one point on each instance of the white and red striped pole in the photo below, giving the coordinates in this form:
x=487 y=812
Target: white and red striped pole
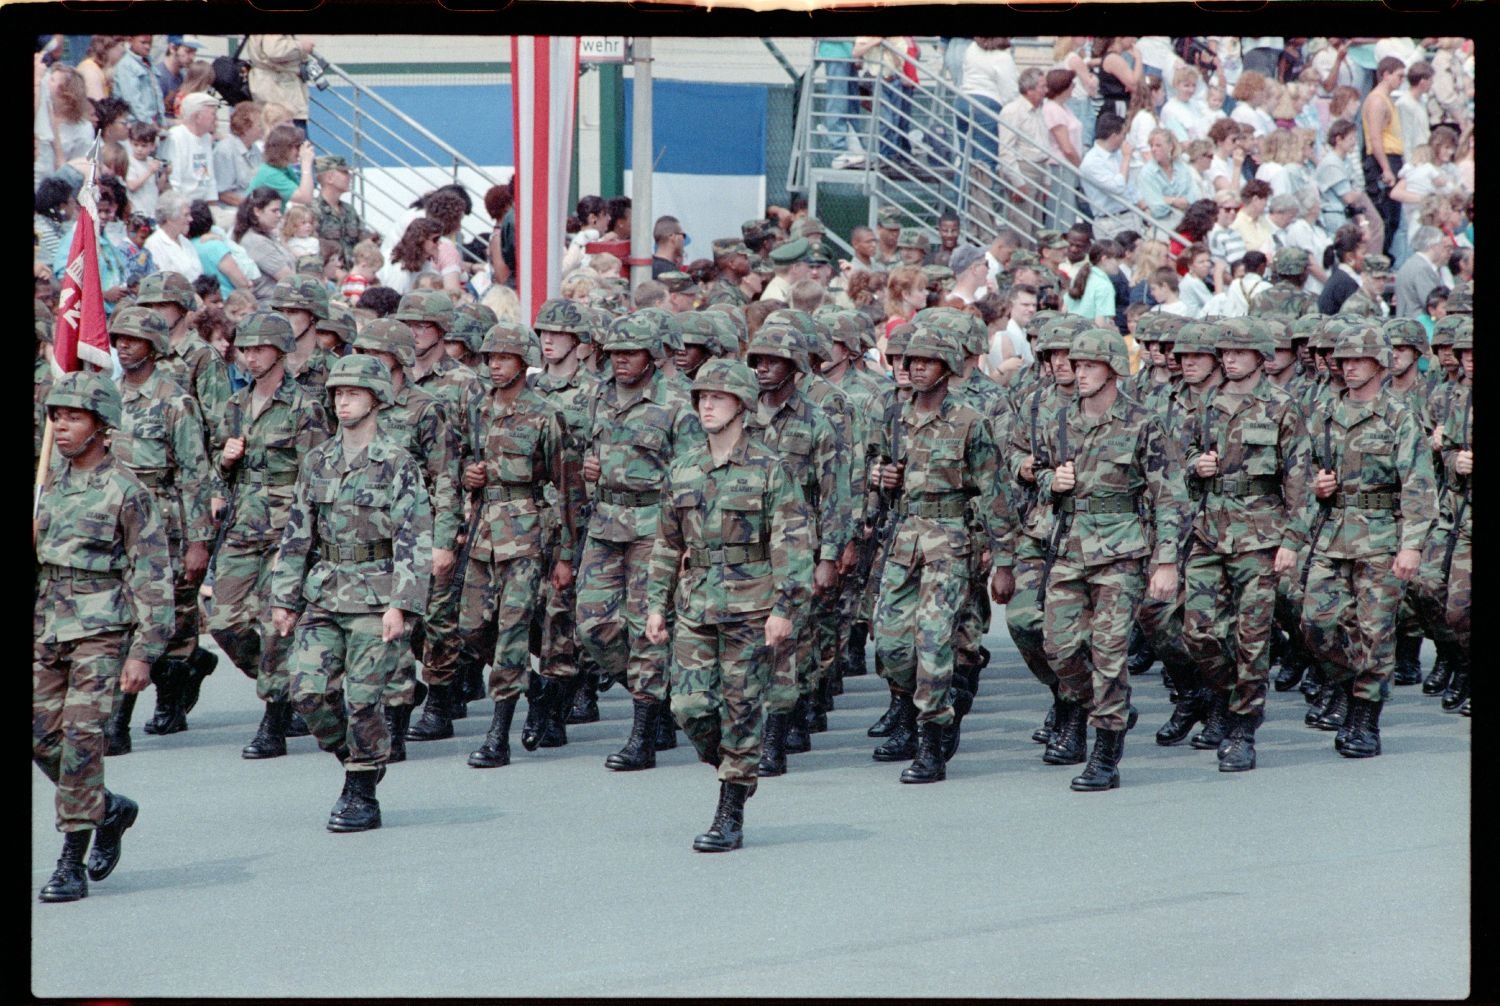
x=544 y=97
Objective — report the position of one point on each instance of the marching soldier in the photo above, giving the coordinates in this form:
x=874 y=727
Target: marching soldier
x=464 y=336
x=1102 y=460
x=701 y=341
x=193 y=364
x=160 y=439
x=638 y=423
x=350 y=571
x=336 y=332
x=1285 y=294
x=303 y=301
x=1452 y=562
x=102 y=617
x=732 y=560
x=269 y=427
x=732 y=263
x=1377 y=502
x=1246 y=460
x=1404 y=383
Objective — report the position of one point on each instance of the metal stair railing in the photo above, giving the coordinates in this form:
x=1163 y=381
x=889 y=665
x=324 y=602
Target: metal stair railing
x=357 y=122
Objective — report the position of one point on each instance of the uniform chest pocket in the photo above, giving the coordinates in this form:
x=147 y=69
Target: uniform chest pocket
x=1377 y=450
x=945 y=465
x=1114 y=471
x=1259 y=441
x=514 y=450
x=322 y=491
x=147 y=445
x=372 y=501
x=742 y=518
x=688 y=505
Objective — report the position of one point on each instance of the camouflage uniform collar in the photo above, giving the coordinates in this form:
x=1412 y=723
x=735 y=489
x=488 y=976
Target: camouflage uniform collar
x=72 y=480
x=549 y=382
x=739 y=454
x=188 y=343
x=653 y=389
x=793 y=404
x=130 y=392
x=285 y=391
x=944 y=411
x=1120 y=409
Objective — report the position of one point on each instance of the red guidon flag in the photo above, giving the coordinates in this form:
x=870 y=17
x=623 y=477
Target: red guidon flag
x=544 y=93
x=82 y=334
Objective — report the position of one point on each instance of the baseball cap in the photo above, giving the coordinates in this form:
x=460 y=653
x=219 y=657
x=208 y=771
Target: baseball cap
x=196 y=101
x=187 y=40
x=330 y=162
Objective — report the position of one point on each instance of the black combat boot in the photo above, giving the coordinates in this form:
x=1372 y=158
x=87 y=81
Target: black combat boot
x=773 y=746
x=854 y=653
x=68 y=882
x=555 y=730
x=728 y=830
x=1408 y=661
x=962 y=701
x=1293 y=665
x=359 y=810
x=1237 y=753
x=1103 y=770
x=168 y=675
x=1331 y=715
x=666 y=727
x=1363 y=740
x=1043 y=733
x=798 y=740
x=495 y=751
x=1069 y=743
x=119 y=813
x=1215 y=724
x=585 y=707
x=117 y=730
x=901 y=743
x=887 y=721
x=928 y=765
x=1141 y=654
x=818 y=706
x=1437 y=678
x=639 y=751
x=436 y=721
x=270 y=739
x=1313 y=681
x=296 y=726
x=201 y=664
x=397 y=721
x=1463 y=710
x=1458 y=685
x=1190 y=705
x=537 y=697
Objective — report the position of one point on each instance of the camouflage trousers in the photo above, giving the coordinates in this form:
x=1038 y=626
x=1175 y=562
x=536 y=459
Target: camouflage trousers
x=1349 y=620
x=718 y=674
x=500 y=598
x=974 y=617
x=916 y=623
x=560 y=649
x=790 y=662
x=612 y=615
x=1231 y=600
x=185 y=623
x=438 y=643
x=1023 y=613
x=1089 y=609
x=240 y=620
x=340 y=669
x=1442 y=602
x=1161 y=622
x=74 y=686
x=828 y=633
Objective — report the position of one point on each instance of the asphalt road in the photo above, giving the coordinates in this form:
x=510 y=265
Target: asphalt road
x=556 y=877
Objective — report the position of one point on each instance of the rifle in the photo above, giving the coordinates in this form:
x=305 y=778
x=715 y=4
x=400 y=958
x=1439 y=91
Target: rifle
x=471 y=529
x=1064 y=521
x=1462 y=510
x=869 y=544
x=1031 y=493
x=1325 y=463
x=226 y=519
x=886 y=517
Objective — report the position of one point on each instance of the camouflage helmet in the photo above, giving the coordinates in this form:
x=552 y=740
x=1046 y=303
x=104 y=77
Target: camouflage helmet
x=668 y=330
x=265 y=328
x=1322 y=337
x=514 y=338
x=1461 y=300
x=1446 y=328
x=781 y=341
x=1146 y=327
x=933 y=342
x=470 y=322
x=426 y=305
x=1103 y=346
x=800 y=320
x=166 y=287
x=895 y=343
x=1055 y=337
x=1197 y=337
x=1464 y=338
x=818 y=343
x=729 y=376
x=1405 y=332
x=729 y=335
x=387 y=335
x=1306 y=327
x=142 y=323
x=1039 y=321
x=562 y=315
x=939 y=278
x=1359 y=305
x=633 y=331
x=911 y=237
x=1278 y=327
x=610 y=304
x=699 y=328
x=85 y=389
x=1289 y=262
x=340 y=322
x=1245 y=333
x=958 y=326
x=1363 y=341
x=845 y=328
x=736 y=317
x=303 y=292
x=359 y=371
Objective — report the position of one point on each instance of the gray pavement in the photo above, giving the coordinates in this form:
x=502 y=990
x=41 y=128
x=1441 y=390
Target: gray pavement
x=555 y=877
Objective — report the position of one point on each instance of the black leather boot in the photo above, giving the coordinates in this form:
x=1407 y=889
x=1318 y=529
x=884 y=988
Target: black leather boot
x=200 y=664
x=1437 y=678
x=537 y=694
x=1103 y=770
x=495 y=751
x=68 y=882
x=117 y=730
x=854 y=653
x=1293 y=665
x=901 y=743
x=639 y=751
x=1408 y=661
x=1363 y=740
x=119 y=813
x=666 y=727
x=798 y=740
x=1313 y=681
x=1458 y=686
x=773 y=746
x=1463 y=710
x=1332 y=715
x=397 y=721
x=585 y=707
x=1141 y=655
x=1193 y=708
x=359 y=810
x=818 y=706
x=963 y=701
x=436 y=721
x=296 y=726
x=728 y=830
x=270 y=739
x=1043 y=733
x=1237 y=753
x=555 y=730
x=887 y=721
x=1215 y=724
x=1069 y=743
x=928 y=766
x=168 y=675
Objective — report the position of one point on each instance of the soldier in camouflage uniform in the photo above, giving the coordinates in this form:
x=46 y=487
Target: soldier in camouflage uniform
x=1099 y=462
x=1284 y=370
x=521 y=457
x=350 y=571
x=466 y=333
x=414 y=421
x=733 y=561
x=1375 y=488
x=160 y=439
x=638 y=422
x=303 y=301
x=1445 y=407
x=1246 y=461
x=269 y=427
x=945 y=467
x=732 y=262
x=102 y=616
x=1285 y=294
x=786 y=421
x=1404 y=383
x=193 y=364
x=701 y=341
x=336 y=332
x=333 y=219
x=1363 y=303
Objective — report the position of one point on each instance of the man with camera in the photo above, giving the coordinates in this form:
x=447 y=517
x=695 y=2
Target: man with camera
x=276 y=63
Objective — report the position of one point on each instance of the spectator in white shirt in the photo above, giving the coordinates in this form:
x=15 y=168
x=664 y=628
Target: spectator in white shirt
x=1338 y=188
x=1023 y=147
x=1226 y=172
x=1164 y=286
x=1179 y=114
x=1253 y=95
x=1141 y=122
x=1106 y=181
x=169 y=246
x=189 y=149
x=236 y=156
x=1289 y=230
x=1225 y=243
x=1244 y=287
x=1193 y=288
x=1009 y=349
x=1411 y=106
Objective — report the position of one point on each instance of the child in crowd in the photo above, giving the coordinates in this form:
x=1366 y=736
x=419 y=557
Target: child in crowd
x=146 y=177
x=297 y=230
x=367 y=262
